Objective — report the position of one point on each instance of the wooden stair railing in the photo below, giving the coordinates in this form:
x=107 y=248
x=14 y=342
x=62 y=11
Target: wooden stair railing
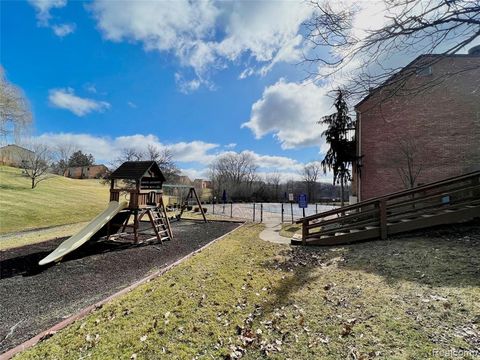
x=446 y=200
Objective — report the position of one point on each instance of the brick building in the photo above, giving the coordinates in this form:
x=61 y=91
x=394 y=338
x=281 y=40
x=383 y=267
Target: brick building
x=431 y=126
x=12 y=155
x=202 y=184
x=86 y=172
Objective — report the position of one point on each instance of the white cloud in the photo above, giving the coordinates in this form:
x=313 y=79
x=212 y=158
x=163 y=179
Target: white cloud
x=91 y=88
x=66 y=99
x=265 y=30
x=195 y=173
x=106 y=149
x=195 y=156
x=275 y=162
x=230 y=146
x=208 y=34
x=43 y=8
x=186 y=86
x=290 y=111
x=132 y=104
x=63 y=29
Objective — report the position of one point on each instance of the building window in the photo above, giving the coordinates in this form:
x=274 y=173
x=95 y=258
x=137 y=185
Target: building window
x=424 y=71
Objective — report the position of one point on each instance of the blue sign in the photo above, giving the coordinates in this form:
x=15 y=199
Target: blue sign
x=302 y=201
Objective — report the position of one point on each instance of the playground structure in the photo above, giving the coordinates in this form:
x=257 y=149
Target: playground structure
x=140 y=184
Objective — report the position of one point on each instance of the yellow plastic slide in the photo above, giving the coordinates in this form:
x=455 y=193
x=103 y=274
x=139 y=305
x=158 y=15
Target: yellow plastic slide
x=74 y=242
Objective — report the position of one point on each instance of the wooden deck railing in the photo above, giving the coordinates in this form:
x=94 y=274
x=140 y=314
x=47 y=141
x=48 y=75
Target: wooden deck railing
x=380 y=211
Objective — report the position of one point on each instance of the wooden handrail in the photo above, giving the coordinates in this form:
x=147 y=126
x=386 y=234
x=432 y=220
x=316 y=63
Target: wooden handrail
x=390 y=196
x=382 y=208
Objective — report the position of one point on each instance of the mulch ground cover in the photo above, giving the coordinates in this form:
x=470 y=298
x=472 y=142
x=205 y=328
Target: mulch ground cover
x=34 y=298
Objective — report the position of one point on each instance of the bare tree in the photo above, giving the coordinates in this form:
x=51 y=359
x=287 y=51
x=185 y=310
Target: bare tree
x=36 y=163
x=310 y=174
x=438 y=26
x=62 y=154
x=274 y=180
x=409 y=165
x=128 y=154
x=15 y=115
x=234 y=172
x=164 y=158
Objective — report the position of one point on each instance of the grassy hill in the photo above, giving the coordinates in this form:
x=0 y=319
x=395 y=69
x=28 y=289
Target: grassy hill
x=55 y=201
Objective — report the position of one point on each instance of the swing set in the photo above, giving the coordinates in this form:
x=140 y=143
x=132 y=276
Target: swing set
x=190 y=199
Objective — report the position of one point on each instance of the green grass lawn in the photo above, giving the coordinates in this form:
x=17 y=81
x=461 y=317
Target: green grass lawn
x=55 y=201
x=288 y=230
x=13 y=240
x=246 y=298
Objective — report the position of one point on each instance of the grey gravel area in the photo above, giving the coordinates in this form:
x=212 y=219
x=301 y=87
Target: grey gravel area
x=32 y=299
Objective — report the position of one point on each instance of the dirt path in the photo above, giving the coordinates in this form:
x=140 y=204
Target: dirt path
x=33 y=299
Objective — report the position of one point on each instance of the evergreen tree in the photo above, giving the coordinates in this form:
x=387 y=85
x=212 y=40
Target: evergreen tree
x=78 y=158
x=341 y=153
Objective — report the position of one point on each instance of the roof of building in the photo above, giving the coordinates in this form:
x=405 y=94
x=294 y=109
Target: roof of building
x=15 y=146
x=135 y=170
x=87 y=166
x=434 y=57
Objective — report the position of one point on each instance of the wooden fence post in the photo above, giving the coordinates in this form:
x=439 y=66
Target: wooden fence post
x=304 y=232
x=383 y=218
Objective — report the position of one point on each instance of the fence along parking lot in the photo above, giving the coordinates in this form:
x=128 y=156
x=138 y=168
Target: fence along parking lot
x=259 y=212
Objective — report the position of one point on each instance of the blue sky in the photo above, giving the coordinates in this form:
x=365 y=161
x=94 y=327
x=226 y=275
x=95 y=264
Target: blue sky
x=199 y=78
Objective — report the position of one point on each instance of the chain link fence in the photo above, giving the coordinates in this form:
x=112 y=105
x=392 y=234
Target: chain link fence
x=265 y=212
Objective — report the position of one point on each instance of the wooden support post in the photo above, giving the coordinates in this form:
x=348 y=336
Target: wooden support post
x=382 y=208
x=231 y=209
x=192 y=190
x=162 y=205
x=304 y=232
x=282 y=212
x=135 y=225
x=253 y=212
x=261 y=212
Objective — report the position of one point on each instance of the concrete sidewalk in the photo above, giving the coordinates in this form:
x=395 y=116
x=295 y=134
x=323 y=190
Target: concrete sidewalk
x=272 y=233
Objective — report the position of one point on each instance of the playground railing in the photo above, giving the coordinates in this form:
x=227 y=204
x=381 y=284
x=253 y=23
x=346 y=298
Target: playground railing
x=136 y=199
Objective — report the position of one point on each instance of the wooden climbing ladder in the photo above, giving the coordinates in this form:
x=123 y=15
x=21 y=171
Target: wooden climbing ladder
x=160 y=223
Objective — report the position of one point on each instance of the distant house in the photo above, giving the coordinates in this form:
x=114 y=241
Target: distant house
x=12 y=155
x=184 y=180
x=202 y=184
x=86 y=172
x=436 y=131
